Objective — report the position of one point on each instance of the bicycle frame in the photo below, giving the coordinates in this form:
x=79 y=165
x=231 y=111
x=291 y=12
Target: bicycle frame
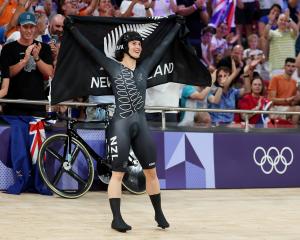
x=71 y=133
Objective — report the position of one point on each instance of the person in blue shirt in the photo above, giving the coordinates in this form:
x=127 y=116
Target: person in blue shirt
x=228 y=97
x=194 y=97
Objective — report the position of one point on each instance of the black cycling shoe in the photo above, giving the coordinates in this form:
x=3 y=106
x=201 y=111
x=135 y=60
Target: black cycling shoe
x=120 y=225
x=162 y=222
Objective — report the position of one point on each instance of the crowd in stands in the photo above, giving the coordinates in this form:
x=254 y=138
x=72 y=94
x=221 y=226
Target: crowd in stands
x=251 y=48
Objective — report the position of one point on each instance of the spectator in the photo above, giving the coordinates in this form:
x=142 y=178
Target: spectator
x=227 y=98
x=50 y=8
x=7 y=9
x=106 y=9
x=196 y=19
x=206 y=48
x=237 y=56
x=218 y=42
x=194 y=97
x=12 y=20
x=293 y=10
x=283 y=91
x=282 y=41
x=266 y=5
x=275 y=10
x=26 y=63
x=53 y=35
x=295 y=15
x=246 y=15
x=254 y=100
x=41 y=26
x=72 y=7
x=253 y=53
x=136 y=8
x=164 y=7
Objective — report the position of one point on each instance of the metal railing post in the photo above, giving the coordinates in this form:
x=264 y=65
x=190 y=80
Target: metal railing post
x=163 y=119
x=246 y=122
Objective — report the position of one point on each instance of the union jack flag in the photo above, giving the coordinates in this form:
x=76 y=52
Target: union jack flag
x=37 y=129
x=223 y=11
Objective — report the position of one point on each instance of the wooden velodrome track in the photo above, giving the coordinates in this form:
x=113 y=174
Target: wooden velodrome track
x=193 y=214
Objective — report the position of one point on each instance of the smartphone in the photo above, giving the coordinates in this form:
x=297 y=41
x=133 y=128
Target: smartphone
x=54 y=39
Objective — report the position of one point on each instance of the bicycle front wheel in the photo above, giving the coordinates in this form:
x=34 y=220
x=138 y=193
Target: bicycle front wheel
x=67 y=175
x=134 y=179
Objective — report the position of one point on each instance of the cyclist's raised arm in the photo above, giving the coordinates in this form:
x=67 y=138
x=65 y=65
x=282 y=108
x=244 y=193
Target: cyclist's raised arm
x=105 y=62
x=150 y=62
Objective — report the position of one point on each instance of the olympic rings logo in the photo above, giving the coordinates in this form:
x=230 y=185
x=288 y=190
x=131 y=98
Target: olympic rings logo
x=272 y=159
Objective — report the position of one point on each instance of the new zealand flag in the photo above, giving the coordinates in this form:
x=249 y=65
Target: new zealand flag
x=78 y=74
x=27 y=134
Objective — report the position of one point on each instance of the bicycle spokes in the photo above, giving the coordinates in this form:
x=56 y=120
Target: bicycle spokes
x=66 y=168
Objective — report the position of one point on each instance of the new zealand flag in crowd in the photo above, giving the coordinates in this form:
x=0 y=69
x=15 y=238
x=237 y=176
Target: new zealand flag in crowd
x=77 y=73
x=27 y=135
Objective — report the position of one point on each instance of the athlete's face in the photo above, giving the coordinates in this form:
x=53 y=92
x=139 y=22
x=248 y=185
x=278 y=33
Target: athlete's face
x=135 y=48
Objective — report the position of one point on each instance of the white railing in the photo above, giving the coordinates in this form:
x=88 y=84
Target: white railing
x=162 y=109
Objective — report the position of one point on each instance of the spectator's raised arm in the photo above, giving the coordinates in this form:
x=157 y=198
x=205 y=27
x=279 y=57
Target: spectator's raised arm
x=234 y=73
x=90 y=8
x=198 y=5
x=127 y=12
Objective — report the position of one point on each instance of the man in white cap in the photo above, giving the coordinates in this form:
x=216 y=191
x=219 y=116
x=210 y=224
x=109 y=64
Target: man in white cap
x=27 y=63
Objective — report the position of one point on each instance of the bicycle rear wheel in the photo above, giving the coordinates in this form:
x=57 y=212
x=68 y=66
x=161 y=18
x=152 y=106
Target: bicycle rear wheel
x=68 y=179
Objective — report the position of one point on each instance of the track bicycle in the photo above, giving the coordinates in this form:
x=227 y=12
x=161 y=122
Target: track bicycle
x=66 y=163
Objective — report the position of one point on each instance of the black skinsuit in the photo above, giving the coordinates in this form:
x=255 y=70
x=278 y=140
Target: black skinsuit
x=129 y=126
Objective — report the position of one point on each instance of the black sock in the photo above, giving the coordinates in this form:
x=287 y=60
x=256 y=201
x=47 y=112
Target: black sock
x=118 y=223
x=159 y=216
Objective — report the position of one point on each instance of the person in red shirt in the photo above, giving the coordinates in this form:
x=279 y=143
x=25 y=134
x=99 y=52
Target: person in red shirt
x=254 y=100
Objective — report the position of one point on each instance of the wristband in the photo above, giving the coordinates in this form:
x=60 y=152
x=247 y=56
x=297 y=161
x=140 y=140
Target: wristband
x=195 y=6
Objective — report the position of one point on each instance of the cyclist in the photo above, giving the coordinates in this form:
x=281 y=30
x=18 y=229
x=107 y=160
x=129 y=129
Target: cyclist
x=129 y=127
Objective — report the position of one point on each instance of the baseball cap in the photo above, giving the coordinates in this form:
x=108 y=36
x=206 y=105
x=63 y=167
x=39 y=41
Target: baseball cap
x=27 y=18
